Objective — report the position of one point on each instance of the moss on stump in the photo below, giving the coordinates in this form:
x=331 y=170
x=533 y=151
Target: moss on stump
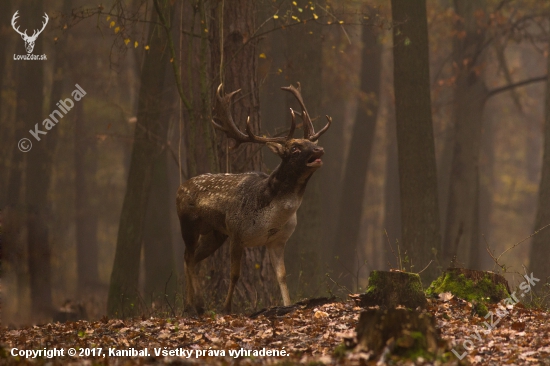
x=469 y=284
x=475 y=286
x=398 y=332
x=390 y=289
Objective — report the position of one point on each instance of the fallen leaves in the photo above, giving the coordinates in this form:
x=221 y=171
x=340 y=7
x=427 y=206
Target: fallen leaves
x=307 y=335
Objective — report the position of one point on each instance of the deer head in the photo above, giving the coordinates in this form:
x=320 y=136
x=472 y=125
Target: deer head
x=29 y=40
x=300 y=154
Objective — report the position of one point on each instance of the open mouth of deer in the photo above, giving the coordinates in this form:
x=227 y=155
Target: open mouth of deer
x=315 y=160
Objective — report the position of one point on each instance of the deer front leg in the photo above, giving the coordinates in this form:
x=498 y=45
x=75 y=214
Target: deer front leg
x=190 y=235
x=191 y=281
x=277 y=256
x=236 y=255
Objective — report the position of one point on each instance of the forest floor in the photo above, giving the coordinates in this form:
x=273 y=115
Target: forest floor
x=312 y=336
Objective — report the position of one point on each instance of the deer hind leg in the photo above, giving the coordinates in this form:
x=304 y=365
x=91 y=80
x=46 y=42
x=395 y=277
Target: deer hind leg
x=277 y=256
x=236 y=255
x=190 y=234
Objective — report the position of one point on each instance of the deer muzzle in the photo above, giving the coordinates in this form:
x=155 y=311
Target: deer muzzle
x=315 y=160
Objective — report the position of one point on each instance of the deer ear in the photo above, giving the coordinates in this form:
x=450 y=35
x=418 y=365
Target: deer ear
x=276 y=148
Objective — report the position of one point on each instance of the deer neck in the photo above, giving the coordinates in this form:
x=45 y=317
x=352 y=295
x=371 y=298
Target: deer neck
x=287 y=180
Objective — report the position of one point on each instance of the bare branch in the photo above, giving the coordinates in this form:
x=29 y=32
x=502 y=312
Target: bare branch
x=501 y=89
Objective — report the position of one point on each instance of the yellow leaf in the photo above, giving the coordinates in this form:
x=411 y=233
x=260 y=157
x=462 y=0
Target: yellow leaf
x=275 y=16
x=108 y=18
x=341 y=22
x=279 y=71
x=135 y=44
x=262 y=55
x=112 y=24
x=315 y=16
x=126 y=41
x=147 y=47
x=300 y=10
x=205 y=30
x=117 y=29
x=295 y=3
x=257 y=265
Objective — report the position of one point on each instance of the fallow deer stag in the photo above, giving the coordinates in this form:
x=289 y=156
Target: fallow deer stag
x=251 y=209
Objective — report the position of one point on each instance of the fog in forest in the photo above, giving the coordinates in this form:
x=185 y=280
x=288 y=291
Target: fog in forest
x=119 y=115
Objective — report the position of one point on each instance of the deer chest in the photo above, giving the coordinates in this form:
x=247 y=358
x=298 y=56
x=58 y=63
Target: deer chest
x=275 y=221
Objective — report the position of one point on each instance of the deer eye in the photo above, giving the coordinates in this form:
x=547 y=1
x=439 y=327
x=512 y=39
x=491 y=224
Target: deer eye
x=294 y=150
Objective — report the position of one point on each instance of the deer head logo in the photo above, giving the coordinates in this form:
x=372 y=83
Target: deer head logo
x=29 y=40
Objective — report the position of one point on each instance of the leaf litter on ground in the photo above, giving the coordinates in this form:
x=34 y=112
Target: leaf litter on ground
x=307 y=336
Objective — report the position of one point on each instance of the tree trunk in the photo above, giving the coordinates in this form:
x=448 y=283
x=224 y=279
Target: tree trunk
x=462 y=223
x=37 y=173
x=392 y=210
x=355 y=176
x=486 y=188
x=415 y=141
x=5 y=139
x=234 y=63
x=302 y=255
x=123 y=290
x=157 y=242
x=540 y=247
x=85 y=162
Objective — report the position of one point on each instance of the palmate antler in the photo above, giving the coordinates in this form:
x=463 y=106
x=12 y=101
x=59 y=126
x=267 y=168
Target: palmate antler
x=309 y=132
x=227 y=124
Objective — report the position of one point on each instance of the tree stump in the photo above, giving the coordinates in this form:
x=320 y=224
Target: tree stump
x=478 y=287
x=470 y=285
x=390 y=289
x=401 y=332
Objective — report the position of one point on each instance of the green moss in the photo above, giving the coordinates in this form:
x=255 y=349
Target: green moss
x=412 y=346
x=340 y=351
x=481 y=309
x=374 y=278
x=480 y=291
x=389 y=289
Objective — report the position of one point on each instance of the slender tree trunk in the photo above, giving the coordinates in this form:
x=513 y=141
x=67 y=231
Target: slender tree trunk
x=335 y=102
x=392 y=212
x=415 y=139
x=362 y=140
x=461 y=229
x=444 y=173
x=302 y=255
x=37 y=176
x=486 y=188
x=540 y=247
x=123 y=290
